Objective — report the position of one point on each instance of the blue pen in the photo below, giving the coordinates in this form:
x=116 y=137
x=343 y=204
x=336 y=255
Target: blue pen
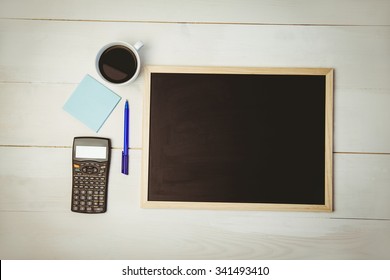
x=125 y=152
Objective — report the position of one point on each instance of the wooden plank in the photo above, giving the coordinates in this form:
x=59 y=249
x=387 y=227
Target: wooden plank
x=361 y=176
x=360 y=184
x=361 y=120
x=39 y=179
x=64 y=54
x=32 y=115
x=373 y=12
x=65 y=51
x=148 y=234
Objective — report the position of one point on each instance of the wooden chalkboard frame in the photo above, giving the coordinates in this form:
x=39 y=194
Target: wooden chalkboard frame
x=328 y=172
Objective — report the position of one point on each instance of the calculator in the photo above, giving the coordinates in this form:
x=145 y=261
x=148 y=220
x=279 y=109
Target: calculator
x=90 y=168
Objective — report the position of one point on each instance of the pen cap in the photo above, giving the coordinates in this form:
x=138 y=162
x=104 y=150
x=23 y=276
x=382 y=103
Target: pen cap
x=125 y=164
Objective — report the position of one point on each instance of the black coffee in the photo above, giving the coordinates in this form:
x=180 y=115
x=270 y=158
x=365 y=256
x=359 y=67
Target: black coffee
x=118 y=64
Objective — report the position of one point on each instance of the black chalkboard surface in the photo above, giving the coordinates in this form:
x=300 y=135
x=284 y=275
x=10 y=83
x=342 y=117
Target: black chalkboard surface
x=238 y=138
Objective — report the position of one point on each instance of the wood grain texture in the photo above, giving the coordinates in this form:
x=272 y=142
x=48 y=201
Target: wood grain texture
x=148 y=234
x=47 y=47
x=329 y=112
x=23 y=112
x=45 y=183
x=63 y=52
x=332 y=12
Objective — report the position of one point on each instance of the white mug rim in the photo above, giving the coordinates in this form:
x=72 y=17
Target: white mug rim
x=124 y=44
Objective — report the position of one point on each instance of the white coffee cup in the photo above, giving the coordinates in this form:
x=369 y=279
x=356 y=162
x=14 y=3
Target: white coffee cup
x=119 y=62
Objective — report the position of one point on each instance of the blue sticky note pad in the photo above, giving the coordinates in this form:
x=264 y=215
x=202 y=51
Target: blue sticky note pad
x=91 y=103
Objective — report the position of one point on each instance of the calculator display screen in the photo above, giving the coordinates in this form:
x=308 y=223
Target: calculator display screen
x=92 y=152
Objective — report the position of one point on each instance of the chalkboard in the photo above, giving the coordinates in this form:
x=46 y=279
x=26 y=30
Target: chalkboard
x=238 y=138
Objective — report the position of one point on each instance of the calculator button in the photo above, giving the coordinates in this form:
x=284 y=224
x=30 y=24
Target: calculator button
x=89 y=187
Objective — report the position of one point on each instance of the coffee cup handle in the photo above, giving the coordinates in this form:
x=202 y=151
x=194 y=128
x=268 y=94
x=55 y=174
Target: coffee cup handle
x=138 y=45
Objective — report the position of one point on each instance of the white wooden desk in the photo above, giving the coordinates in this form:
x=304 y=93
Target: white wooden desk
x=46 y=49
